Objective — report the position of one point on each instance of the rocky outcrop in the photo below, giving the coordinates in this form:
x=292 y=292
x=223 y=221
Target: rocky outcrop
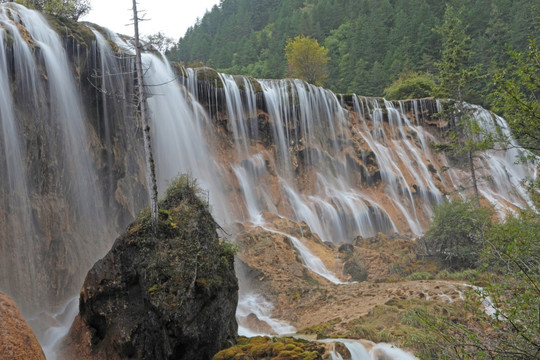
x=17 y=341
x=371 y=269
x=169 y=297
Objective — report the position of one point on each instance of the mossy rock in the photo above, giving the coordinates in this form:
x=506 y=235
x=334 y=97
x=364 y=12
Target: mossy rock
x=180 y=279
x=210 y=76
x=322 y=330
x=70 y=29
x=265 y=347
x=179 y=70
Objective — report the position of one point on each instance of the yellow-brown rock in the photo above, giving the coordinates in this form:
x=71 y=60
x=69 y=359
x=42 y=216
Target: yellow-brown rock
x=17 y=341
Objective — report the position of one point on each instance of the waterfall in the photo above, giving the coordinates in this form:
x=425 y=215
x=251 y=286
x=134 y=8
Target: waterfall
x=367 y=350
x=71 y=173
x=55 y=221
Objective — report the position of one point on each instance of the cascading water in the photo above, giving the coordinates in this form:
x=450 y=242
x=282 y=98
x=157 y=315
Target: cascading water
x=15 y=198
x=53 y=207
x=347 y=167
x=367 y=350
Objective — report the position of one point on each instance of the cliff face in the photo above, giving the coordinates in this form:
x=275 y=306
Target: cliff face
x=173 y=297
x=72 y=176
x=70 y=179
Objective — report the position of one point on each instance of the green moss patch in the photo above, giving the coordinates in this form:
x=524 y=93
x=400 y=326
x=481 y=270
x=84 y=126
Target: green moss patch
x=72 y=29
x=265 y=347
x=186 y=255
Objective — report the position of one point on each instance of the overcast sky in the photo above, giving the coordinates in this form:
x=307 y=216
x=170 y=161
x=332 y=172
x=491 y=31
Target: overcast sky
x=171 y=17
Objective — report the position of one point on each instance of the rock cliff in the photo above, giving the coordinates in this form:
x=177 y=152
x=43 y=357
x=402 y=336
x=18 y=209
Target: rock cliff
x=170 y=297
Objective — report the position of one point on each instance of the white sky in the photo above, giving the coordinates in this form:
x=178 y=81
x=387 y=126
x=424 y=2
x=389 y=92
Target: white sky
x=171 y=17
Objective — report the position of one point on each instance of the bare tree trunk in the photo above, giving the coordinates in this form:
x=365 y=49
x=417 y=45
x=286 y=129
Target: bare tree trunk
x=143 y=113
x=473 y=176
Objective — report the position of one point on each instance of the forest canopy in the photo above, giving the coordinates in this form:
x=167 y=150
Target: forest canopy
x=370 y=42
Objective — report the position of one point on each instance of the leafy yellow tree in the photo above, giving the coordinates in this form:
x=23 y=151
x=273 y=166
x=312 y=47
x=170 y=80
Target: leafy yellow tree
x=307 y=59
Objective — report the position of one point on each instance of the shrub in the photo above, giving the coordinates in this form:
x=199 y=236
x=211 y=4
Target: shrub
x=457 y=235
x=411 y=85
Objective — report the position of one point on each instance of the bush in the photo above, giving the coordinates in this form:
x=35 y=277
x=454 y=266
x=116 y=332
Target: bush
x=411 y=85
x=420 y=275
x=457 y=235
x=71 y=9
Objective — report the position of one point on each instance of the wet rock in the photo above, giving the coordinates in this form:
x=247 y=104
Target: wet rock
x=255 y=324
x=355 y=270
x=346 y=248
x=169 y=297
x=17 y=341
x=342 y=350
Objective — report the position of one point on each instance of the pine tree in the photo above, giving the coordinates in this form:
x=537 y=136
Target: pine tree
x=466 y=136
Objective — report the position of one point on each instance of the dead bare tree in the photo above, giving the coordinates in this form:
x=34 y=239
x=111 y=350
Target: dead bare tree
x=142 y=112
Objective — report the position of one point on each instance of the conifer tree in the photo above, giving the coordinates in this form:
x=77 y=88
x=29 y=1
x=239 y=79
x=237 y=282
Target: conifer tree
x=466 y=136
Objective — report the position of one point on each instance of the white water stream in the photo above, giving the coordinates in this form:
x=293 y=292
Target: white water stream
x=305 y=172
x=367 y=350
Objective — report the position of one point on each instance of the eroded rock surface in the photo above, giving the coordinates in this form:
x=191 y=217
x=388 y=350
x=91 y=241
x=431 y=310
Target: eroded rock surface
x=170 y=297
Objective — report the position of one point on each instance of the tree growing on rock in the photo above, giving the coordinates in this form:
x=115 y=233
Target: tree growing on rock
x=71 y=9
x=411 y=85
x=307 y=59
x=466 y=136
x=517 y=96
x=160 y=41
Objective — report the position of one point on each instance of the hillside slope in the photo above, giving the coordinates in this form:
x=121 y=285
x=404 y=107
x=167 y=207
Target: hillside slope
x=370 y=42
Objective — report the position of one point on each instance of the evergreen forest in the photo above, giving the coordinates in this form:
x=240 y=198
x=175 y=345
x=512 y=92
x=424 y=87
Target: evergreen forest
x=370 y=43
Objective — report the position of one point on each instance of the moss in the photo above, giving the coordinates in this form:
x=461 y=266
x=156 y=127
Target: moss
x=420 y=275
x=72 y=29
x=467 y=275
x=209 y=75
x=400 y=321
x=186 y=254
x=322 y=330
x=240 y=81
x=260 y=347
x=179 y=70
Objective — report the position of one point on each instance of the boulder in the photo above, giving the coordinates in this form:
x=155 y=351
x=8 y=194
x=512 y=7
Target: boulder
x=170 y=296
x=17 y=341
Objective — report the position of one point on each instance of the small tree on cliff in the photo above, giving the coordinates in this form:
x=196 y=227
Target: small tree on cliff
x=517 y=96
x=466 y=136
x=307 y=59
x=71 y=9
x=142 y=112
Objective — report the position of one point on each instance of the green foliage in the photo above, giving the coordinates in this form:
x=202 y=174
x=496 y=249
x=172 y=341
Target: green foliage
x=457 y=234
x=71 y=9
x=398 y=322
x=420 y=275
x=455 y=71
x=467 y=275
x=512 y=330
x=370 y=42
x=307 y=60
x=185 y=255
x=260 y=347
x=411 y=85
x=321 y=330
x=160 y=41
x=517 y=96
